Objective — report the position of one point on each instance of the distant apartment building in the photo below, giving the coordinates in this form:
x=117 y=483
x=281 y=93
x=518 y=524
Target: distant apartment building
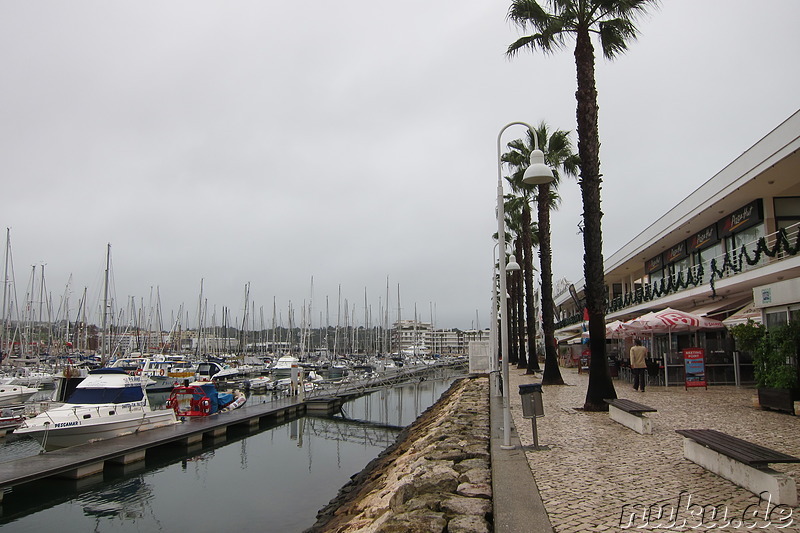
x=409 y=333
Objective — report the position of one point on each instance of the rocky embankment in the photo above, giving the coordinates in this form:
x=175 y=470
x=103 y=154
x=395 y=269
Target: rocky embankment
x=436 y=478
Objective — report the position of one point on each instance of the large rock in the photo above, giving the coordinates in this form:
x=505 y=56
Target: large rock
x=414 y=522
x=459 y=505
x=468 y=524
x=475 y=490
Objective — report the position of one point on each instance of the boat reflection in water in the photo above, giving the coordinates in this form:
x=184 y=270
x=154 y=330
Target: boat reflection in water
x=269 y=479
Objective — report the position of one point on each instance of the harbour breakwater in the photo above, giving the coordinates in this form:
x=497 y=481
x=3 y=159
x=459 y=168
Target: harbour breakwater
x=435 y=478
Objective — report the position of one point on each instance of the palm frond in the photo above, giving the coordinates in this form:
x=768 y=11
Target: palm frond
x=525 y=13
x=615 y=35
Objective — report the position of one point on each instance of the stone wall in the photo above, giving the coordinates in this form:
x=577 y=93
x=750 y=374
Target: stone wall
x=436 y=478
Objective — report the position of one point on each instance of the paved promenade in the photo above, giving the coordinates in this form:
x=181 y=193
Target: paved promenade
x=595 y=473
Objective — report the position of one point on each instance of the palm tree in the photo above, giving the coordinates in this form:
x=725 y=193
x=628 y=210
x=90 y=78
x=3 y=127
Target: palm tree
x=559 y=156
x=514 y=207
x=613 y=22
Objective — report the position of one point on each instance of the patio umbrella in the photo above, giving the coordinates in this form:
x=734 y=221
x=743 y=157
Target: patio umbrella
x=669 y=320
x=672 y=320
x=616 y=329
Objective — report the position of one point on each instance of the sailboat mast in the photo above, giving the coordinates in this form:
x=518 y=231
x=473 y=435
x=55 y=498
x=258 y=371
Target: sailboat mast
x=104 y=351
x=4 y=318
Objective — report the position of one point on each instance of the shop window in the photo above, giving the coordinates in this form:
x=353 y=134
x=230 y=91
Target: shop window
x=656 y=277
x=681 y=266
x=787 y=216
x=704 y=257
x=749 y=239
x=776 y=319
x=616 y=290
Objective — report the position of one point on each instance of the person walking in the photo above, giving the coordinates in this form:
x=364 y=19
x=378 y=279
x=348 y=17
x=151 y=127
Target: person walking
x=639 y=365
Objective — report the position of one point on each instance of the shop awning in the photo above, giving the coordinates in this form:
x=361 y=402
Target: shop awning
x=748 y=312
x=715 y=308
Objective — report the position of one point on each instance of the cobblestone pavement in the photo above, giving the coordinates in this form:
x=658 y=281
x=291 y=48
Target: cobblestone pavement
x=597 y=475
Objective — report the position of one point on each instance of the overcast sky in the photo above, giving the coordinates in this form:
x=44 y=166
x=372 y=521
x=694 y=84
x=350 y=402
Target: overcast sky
x=268 y=142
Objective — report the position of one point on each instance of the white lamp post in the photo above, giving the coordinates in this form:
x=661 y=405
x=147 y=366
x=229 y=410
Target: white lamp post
x=537 y=173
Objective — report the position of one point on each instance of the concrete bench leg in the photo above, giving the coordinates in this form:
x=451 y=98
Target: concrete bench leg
x=782 y=487
x=638 y=423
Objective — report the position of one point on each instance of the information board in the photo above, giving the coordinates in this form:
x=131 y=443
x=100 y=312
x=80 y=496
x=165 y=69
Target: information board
x=694 y=360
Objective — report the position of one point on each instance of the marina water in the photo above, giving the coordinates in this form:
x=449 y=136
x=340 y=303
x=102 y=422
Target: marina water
x=271 y=480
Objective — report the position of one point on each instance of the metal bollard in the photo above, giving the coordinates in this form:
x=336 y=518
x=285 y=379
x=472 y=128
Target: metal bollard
x=532 y=406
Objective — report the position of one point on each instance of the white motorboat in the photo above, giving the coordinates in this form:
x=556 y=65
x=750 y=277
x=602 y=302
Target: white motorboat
x=25 y=376
x=15 y=394
x=283 y=366
x=208 y=370
x=108 y=403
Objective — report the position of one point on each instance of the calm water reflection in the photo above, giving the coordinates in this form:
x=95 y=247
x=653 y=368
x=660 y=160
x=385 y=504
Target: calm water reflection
x=275 y=479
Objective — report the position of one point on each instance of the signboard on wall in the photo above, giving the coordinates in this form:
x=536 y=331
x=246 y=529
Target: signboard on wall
x=703 y=239
x=675 y=253
x=694 y=360
x=653 y=264
x=742 y=218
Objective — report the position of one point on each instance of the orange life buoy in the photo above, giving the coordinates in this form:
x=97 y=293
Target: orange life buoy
x=161 y=372
x=138 y=371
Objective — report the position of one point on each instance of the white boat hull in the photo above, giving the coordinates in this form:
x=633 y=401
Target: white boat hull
x=15 y=394
x=68 y=428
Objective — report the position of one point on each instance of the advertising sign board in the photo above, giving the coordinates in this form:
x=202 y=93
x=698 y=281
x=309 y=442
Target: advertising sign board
x=695 y=366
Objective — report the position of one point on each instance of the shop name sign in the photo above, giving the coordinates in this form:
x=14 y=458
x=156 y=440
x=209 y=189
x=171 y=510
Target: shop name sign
x=743 y=218
x=676 y=252
x=653 y=264
x=704 y=238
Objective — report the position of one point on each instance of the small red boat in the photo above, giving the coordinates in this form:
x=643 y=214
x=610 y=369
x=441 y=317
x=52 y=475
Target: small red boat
x=201 y=398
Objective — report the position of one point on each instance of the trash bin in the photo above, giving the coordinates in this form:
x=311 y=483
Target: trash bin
x=531 y=395
x=532 y=407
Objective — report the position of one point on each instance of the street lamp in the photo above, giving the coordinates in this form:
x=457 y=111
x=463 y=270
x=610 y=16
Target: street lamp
x=537 y=173
x=512 y=265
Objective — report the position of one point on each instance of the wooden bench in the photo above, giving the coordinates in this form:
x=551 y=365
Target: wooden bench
x=631 y=414
x=742 y=462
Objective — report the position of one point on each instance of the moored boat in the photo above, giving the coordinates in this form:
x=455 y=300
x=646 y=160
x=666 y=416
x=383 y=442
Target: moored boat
x=201 y=398
x=108 y=403
x=15 y=394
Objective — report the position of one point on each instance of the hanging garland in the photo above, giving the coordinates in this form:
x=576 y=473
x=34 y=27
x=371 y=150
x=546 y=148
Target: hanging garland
x=733 y=262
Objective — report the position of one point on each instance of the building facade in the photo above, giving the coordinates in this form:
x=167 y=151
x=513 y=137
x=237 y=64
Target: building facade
x=734 y=235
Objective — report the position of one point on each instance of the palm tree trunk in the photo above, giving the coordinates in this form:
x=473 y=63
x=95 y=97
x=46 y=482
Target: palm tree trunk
x=600 y=384
x=552 y=374
x=520 y=310
x=527 y=269
x=513 y=356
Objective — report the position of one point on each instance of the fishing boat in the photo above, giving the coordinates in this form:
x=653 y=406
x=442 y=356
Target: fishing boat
x=108 y=403
x=201 y=398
